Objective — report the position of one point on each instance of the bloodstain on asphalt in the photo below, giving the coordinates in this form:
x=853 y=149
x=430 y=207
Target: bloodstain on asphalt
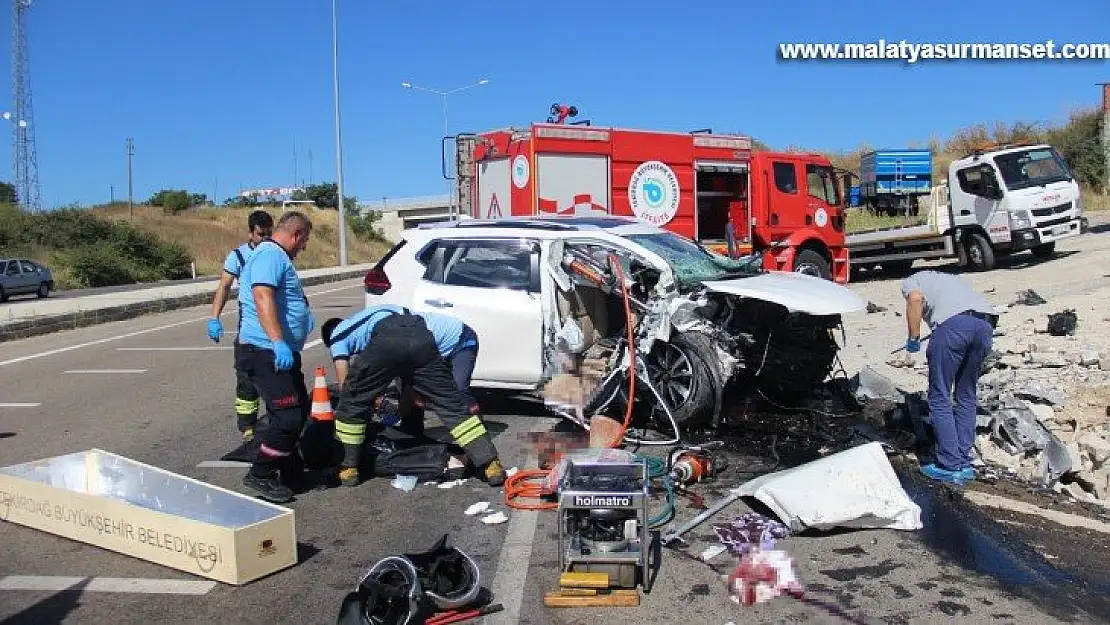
x=875 y=571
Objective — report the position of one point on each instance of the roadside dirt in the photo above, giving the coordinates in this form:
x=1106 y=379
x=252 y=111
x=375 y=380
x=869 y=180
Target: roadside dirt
x=1071 y=537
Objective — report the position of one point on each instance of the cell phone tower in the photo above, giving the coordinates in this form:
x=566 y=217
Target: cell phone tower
x=25 y=161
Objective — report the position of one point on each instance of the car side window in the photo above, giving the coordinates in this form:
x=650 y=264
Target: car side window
x=482 y=264
x=971 y=181
x=28 y=267
x=13 y=268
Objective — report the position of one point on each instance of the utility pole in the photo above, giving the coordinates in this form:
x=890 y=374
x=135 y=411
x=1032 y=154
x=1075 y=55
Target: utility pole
x=338 y=137
x=130 y=198
x=112 y=194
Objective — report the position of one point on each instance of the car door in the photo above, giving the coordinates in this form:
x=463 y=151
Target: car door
x=32 y=275
x=492 y=285
x=13 y=279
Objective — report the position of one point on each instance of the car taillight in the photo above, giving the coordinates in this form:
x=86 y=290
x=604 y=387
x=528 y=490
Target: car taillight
x=376 y=281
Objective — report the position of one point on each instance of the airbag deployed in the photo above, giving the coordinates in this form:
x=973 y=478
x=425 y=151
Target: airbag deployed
x=856 y=488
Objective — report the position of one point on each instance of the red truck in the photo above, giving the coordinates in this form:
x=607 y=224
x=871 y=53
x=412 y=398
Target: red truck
x=708 y=187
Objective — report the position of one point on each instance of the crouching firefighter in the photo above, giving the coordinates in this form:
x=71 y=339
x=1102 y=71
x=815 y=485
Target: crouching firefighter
x=380 y=344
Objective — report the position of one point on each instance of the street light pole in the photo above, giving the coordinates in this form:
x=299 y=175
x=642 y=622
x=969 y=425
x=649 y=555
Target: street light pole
x=130 y=199
x=338 y=137
x=447 y=131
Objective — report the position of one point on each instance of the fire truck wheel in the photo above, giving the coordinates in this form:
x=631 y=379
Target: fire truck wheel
x=812 y=263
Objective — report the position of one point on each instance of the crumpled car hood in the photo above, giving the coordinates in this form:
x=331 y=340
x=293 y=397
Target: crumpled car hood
x=798 y=292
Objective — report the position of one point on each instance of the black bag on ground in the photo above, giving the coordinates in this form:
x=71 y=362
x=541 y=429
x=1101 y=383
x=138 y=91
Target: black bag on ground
x=393 y=453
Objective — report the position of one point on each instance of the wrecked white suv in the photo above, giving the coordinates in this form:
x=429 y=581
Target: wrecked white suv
x=545 y=297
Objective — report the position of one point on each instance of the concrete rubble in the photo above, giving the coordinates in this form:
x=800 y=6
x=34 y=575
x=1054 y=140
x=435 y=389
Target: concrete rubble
x=1044 y=410
x=1043 y=407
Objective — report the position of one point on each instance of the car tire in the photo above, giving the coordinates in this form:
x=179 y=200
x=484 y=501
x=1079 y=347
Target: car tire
x=811 y=262
x=687 y=354
x=1044 y=251
x=44 y=290
x=980 y=254
x=3 y=295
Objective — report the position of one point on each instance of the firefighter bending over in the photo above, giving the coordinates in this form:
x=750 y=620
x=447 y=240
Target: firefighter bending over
x=386 y=342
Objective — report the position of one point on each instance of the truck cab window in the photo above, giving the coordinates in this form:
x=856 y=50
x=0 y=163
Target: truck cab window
x=822 y=185
x=971 y=181
x=786 y=179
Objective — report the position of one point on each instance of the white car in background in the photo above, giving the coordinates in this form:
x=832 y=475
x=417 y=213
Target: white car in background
x=542 y=293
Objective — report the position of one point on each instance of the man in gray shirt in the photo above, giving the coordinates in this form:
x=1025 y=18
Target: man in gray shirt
x=962 y=322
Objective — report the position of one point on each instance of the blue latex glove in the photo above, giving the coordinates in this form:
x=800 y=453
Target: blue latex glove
x=283 y=356
x=215 y=329
x=913 y=345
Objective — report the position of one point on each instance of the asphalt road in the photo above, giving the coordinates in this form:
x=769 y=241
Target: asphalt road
x=173 y=408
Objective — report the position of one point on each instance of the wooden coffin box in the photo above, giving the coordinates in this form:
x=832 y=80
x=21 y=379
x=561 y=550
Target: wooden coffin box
x=106 y=500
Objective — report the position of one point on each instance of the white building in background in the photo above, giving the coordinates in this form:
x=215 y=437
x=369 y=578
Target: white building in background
x=397 y=214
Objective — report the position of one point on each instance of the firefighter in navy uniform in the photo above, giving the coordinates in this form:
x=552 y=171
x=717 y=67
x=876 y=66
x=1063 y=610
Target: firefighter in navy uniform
x=387 y=342
x=276 y=320
x=261 y=226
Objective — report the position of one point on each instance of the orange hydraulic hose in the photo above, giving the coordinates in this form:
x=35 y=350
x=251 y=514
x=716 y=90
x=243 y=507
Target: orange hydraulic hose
x=528 y=483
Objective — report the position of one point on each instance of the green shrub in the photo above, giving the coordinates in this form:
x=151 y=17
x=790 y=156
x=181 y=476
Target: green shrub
x=91 y=251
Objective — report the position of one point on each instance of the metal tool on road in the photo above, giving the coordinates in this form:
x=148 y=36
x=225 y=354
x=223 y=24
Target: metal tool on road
x=677 y=533
x=690 y=465
x=458 y=616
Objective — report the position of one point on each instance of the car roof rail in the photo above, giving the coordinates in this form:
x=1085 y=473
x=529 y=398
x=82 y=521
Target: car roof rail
x=514 y=223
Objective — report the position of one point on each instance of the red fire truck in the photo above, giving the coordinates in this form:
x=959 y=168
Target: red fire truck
x=711 y=188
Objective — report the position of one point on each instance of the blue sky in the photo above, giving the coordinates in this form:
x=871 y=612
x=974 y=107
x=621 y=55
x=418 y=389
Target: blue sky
x=215 y=91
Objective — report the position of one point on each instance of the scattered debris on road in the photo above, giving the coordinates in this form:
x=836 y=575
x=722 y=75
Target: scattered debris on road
x=1028 y=297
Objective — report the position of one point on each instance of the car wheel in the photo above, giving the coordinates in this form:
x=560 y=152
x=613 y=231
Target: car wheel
x=3 y=295
x=812 y=263
x=44 y=290
x=680 y=371
x=1044 y=251
x=980 y=254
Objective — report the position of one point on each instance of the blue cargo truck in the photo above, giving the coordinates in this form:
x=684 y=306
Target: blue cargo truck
x=891 y=181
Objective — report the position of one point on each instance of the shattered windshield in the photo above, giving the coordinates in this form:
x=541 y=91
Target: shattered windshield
x=693 y=263
x=1031 y=168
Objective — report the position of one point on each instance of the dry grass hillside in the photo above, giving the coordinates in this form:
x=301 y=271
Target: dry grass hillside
x=209 y=234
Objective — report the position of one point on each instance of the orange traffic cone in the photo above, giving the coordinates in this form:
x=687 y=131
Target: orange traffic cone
x=321 y=399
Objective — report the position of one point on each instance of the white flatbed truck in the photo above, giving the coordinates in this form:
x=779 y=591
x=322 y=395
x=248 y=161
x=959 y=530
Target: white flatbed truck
x=993 y=203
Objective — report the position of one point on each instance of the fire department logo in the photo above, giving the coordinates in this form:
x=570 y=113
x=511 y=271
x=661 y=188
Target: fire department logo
x=653 y=193
x=520 y=171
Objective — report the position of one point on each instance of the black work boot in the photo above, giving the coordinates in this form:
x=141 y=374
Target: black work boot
x=264 y=479
x=291 y=469
x=348 y=470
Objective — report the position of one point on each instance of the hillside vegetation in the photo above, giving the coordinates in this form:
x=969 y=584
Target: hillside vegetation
x=101 y=246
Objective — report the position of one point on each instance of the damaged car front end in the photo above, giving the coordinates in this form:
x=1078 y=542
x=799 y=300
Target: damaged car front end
x=701 y=327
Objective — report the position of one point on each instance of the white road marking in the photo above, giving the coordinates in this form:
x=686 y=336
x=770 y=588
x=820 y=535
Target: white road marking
x=223 y=464
x=516 y=554
x=12 y=361
x=58 y=583
x=208 y=348
x=106 y=371
x=20 y=404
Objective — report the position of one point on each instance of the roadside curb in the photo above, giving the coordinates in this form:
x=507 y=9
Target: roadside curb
x=80 y=319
